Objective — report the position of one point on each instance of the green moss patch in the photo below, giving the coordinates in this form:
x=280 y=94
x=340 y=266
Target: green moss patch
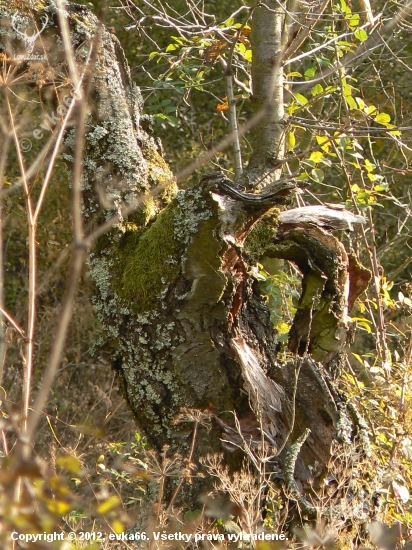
x=148 y=261
x=261 y=236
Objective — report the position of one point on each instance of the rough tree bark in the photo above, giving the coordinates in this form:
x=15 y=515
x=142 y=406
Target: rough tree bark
x=179 y=306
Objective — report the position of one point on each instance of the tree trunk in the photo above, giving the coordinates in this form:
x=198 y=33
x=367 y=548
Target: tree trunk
x=267 y=92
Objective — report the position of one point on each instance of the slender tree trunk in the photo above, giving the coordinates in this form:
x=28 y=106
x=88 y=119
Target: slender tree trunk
x=267 y=92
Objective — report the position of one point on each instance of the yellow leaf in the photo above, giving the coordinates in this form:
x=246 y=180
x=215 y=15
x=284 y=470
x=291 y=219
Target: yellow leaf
x=291 y=141
x=108 y=504
x=117 y=526
x=58 y=507
x=69 y=463
x=316 y=156
x=383 y=118
x=351 y=102
x=358 y=357
x=360 y=102
x=324 y=142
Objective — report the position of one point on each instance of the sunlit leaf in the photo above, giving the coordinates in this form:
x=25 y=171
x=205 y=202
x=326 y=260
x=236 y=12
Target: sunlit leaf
x=382 y=118
x=300 y=99
x=324 y=142
x=316 y=156
x=291 y=141
x=344 y=7
x=316 y=90
x=358 y=357
x=351 y=102
x=360 y=102
x=229 y=22
x=369 y=166
x=354 y=21
x=361 y=35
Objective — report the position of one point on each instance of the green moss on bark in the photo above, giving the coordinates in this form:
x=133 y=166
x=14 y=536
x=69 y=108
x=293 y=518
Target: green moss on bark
x=147 y=262
x=260 y=239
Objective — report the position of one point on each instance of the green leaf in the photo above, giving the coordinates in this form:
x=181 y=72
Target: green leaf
x=179 y=39
x=361 y=35
x=300 y=99
x=294 y=73
x=309 y=73
x=248 y=55
x=354 y=21
x=173 y=120
x=344 y=7
x=172 y=47
x=317 y=89
x=381 y=187
x=318 y=175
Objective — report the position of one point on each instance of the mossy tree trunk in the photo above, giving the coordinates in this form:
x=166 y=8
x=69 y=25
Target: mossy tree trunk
x=179 y=306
